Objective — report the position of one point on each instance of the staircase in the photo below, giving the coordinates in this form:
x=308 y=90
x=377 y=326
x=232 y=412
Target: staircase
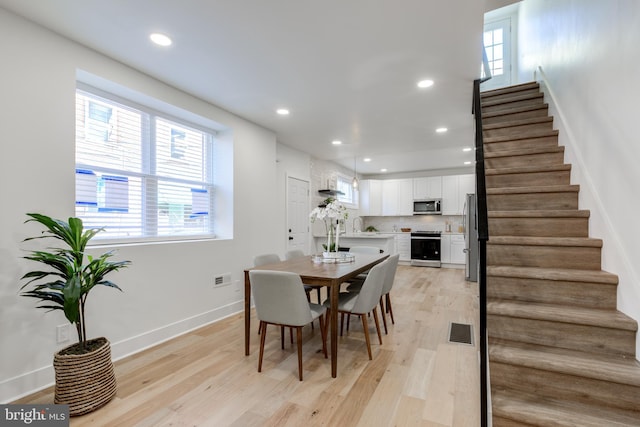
x=560 y=353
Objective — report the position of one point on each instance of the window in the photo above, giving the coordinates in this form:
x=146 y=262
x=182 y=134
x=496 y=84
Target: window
x=345 y=185
x=497 y=47
x=140 y=174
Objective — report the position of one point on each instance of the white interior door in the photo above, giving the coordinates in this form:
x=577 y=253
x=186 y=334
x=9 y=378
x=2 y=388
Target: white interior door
x=297 y=214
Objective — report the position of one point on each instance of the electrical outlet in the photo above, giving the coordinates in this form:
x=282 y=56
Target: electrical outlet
x=62 y=333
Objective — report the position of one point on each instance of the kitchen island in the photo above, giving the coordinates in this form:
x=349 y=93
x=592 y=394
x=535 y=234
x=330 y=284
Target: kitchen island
x=384 y=241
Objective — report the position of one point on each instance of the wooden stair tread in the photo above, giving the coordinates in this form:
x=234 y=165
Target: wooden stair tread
x=546 y=241
x=612 y=319
x=515 y=123
x=568 y=213
x=523 y=152
x=534 y=189
x=565 y=361
x=530 y=409
x=510 y=89
x=488 y=102
x=504 y=138
x=559 y=274
x=528 y=169
x=514 y=110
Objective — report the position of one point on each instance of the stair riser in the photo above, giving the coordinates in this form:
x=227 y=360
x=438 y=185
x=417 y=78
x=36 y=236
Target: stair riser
x=507 y=103
x=594 y=339
x=528 y=201
x=580 y=294
x=505 y=95
x=527 y=179
x=518 y=131
x=541 y=159
x=520 y=115
x=539 y=227
x=560 y=386
x=498 y=421
x=545 y=141
x=578 y=257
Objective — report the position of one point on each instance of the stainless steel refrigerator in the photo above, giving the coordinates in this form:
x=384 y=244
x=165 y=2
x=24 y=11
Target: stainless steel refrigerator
x=471 y=246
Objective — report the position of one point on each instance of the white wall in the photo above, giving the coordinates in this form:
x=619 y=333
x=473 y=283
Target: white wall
x=168 y=288
x=588 y=51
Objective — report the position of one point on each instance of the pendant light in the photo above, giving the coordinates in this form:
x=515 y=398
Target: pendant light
x=354 y=183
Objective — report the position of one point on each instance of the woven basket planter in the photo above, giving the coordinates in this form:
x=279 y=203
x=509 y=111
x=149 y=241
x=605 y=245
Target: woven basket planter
x=87 y=381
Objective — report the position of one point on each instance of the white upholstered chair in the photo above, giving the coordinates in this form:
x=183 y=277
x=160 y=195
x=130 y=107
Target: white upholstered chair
x=280 y=300
x=365 y=301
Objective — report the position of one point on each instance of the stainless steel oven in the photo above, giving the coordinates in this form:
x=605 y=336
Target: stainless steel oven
x=425 y=248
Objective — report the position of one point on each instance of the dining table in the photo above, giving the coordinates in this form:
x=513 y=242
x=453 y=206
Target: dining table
x=316 y=273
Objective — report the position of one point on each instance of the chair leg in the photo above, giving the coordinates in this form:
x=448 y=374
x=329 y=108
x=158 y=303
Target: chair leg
x=299 y=339
x=348 y=319
x=281 y=337
x=319 y=297
x=291 y=335
x=375 y=317
x=323 y=332
x=342 y=323
x=384 y=318
x=389 y=308
x=263 y=328
x=366 y=333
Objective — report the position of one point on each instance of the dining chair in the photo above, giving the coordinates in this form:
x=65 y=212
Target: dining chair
x=386 y=289
x=356 y=283
x=280 y=300
x=364 y=302
x=297 y=253
x=264 y=259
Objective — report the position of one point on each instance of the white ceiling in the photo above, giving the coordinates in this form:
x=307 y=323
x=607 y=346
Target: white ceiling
x=346 y=69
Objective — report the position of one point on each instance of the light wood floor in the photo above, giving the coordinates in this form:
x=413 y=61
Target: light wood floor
x=416 y=378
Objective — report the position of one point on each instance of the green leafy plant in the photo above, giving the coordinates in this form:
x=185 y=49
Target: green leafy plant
x=72 y=274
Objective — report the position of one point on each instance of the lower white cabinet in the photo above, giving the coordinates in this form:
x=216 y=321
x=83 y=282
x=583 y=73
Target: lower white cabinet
x=445 y=249
x=403 y=246
x=457 y=249
x=452 y=249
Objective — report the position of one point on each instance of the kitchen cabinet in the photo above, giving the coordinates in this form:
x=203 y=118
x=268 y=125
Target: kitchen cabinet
x=370 y=197
x=445 y=249
x=397 y=197
x=429 y=187
x=454 y=190
x=457 y=249
x=403 y=246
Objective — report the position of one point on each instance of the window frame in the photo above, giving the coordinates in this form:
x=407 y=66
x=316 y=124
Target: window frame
x=351 y=202
x=151 y=180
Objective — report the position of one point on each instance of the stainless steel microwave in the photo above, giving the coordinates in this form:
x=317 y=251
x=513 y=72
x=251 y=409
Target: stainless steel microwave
x=427 y=207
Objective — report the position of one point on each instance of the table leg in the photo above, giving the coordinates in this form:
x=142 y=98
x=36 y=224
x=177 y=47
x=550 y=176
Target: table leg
x=333 y=295
x=247 y=312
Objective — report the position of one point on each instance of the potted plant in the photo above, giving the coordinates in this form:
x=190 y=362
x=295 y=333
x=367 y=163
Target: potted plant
x=85 y=379
x=333 y=213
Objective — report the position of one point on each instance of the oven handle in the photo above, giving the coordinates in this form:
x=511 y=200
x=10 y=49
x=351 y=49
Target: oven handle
x=425 y=238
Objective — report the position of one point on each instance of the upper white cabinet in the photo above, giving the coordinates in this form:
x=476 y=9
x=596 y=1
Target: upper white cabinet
x=370 y=197
x=427 y=188
x=397 y=197
x=454 y=190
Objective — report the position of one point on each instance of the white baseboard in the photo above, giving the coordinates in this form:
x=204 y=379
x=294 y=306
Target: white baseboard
x=39 y=379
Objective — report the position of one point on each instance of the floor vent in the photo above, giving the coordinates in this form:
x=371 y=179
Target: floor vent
x=460 y=333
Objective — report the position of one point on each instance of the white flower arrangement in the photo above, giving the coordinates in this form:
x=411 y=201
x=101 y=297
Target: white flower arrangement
x=333 y=213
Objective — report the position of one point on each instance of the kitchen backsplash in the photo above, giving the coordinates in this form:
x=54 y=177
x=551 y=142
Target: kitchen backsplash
x=419 y=222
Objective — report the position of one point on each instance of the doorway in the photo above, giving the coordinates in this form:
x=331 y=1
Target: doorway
x=297 y=214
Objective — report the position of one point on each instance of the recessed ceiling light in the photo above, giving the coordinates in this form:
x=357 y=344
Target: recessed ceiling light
x=425 y=83
x=336 y=142
x=366 y=159
x=466 y=149
x=160 y=39
x=441 y=130
x=467 y=163
x=282 y=111
x=383 y=170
